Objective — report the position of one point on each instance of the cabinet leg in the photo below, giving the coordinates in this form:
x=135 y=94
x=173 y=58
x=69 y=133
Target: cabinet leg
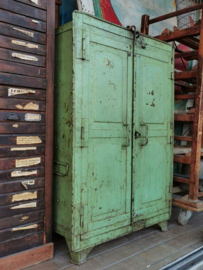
x=80 y=256
x=164 y=226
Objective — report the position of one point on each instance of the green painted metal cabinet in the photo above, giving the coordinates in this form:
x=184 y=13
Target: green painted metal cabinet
x=113 y=133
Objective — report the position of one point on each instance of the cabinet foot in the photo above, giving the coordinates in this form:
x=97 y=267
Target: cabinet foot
x=80 y=256
x=164 y=226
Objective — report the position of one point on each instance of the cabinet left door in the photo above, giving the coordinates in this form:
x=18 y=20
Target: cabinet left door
x=103 y=109
x=26 y=119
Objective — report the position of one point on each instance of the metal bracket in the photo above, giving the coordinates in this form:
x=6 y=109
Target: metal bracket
x=146 y=134
x=62 y=164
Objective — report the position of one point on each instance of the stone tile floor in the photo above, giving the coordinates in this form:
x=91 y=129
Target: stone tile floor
x=148 y=249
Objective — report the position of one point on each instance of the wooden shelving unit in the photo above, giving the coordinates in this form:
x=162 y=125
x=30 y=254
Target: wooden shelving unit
x=188 y=85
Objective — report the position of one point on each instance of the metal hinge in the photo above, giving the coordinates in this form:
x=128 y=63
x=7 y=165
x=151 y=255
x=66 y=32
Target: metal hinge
x=84 y=132
x=85 y=45
x=82 y=216
x=172 y=75
x=172 y=60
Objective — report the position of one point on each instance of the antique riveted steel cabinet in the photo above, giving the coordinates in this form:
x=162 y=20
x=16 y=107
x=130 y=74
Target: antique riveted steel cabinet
x=113 y=133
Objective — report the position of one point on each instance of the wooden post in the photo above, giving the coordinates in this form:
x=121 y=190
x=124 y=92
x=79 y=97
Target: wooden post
x=145 y=24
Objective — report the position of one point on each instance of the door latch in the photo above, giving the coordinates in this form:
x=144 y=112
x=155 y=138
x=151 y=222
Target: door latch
x=137 y=134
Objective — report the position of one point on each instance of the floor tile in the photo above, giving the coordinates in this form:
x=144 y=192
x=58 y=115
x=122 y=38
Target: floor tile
x=95 y=263
x=62 y=259
x=132 y=263
x=61 y=247
x=49 y=265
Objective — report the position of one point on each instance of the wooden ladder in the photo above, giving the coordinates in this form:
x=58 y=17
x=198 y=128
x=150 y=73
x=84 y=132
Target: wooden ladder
x=183 y=91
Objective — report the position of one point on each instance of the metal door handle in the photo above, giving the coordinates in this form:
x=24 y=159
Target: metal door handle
x=12 y=117
x=146 y=137
x=137 y=134
x=62 y=164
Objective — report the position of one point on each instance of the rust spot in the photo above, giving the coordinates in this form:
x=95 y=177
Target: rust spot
x=108 y=63
x=152 y=93
x=152 y=105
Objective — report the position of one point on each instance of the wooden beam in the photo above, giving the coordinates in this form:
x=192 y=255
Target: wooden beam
x=187 y=207
x=185 y=87
x=180 y=76
x=181 y=180
x=187 y=32
x=184 y=117
x=27 y=258
x=180 y=97
x=195 y=204
x=145 y=24
x=183 y=138
x=176 y=13
x=182 y=159
x=191 y=55
x=189 y=43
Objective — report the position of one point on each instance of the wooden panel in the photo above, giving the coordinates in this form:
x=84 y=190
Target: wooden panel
x=21 y=173
x=20 y=208
x=19 y=92
x=12 y=163
x=22 y=139
x=39 y=4
x=23 y=58
x=25 y=196
x=18 y=116
x=21 y=185
x=20 y=231
x=21 y=45
x=27 y=258
x=23 y=21
x=15 y=68
x=22 y=33
x=22 y=243
x=22 y=104
x=21 y=219
x=21 y=151
x=23 y=9
x=23 y=81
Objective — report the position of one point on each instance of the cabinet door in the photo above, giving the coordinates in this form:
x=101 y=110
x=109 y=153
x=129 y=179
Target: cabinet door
x=104 y=144
x=153 y=126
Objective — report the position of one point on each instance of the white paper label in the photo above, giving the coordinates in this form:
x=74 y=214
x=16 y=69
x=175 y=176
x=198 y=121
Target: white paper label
x=25 y=44
x=28 y=183
x=34 y=1
x=15 y=125
x=23 y=148
x=24 y=196
x=32 y=117
x=28 y=106
x=18 y=91
x=25 y=205
x=34 y=21
x=25 y=57
x=27 y=162
x=28 y=140
x=22 y=173
x=28 y=227
x=31 y=34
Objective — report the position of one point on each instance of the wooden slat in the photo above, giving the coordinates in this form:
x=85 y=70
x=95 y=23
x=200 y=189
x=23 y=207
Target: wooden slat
x=176 y=13
x=189 y=43
x=187 y=55
x=184 y=117
x=185 y=87
x=24 y=173
x=21 y=219
x=22 y=33
x=23 y=9
x=19 y=162
x=183 y=138
x=180 y=97
x=200 y=194
x=21 y=45
x=181 y=180
x=27 y=258
x=20 y=185
x=194 y=204
x=180 y=76
x=20 y=20
x=40 y=3
x=22 y=105
x=21 y=150
x=22 y=93
x=22 y=139
x=182 y=159
x=22 y=116
x=187 y=207
x=18 y=127
x=24 y=81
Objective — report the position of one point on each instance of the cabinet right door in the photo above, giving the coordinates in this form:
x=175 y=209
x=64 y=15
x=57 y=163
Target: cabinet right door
x=153 y=131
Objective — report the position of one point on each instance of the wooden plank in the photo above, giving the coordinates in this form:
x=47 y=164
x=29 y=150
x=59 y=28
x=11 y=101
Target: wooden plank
x=176 y=13
x=181 y=180
x=39 y=4
x=23 y=58
x=195 y=204
x=22 y=104
x=27 y=258
x=185 y=87
x=182 y=159
x=22 y=92
x=20 y=231
x=145 y=24
x=24 y=173
x=200 y=194
x=197 y=126
x=21 y=150
x=21 y=208
x=22 y=139
x=20 y=244
x=192 y=55
x=21 y=185
x=24 y=21
x=189 y=43
x=181 y=97
x=24 y=81
x=21 y=69
x=22 y=116
x=21 y=219
x=187 y=32
x=187 y=207
x=21 y=45
x=22 y=33
x=23 y=9
x=49 y=121
x=180 y=76
x=183 y=138
x=19 y=162
x=184 y=117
